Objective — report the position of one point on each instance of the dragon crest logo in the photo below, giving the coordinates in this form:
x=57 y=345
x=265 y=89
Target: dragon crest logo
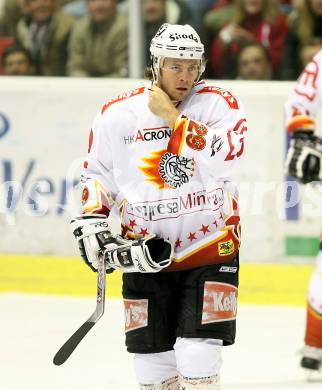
x=167 y=170
x=176 y=170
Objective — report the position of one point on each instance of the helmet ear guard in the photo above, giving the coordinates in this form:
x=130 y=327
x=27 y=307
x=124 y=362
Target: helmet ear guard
x=155 y=67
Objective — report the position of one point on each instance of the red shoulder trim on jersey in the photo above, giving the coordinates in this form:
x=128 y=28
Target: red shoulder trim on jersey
x=230 y=99
x=124 y=96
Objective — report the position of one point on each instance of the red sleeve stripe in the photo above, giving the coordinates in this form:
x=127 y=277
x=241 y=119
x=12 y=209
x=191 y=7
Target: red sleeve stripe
x=175 y=144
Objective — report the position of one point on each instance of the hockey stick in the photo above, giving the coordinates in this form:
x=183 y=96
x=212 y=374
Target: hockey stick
x=67 y=349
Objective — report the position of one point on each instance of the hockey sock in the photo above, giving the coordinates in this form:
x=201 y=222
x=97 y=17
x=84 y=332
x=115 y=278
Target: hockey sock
x=204 y=383
x=313 y=334
x=168 y=384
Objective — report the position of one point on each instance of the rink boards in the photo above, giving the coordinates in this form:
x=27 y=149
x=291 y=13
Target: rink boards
x=259 y=283
x=44 y=126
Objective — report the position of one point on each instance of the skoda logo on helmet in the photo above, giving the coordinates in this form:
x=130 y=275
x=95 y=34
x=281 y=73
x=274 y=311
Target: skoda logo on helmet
x=176 y=36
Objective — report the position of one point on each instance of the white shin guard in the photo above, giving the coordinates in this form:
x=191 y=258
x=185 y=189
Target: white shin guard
x=155 y=368
x=198 y=363
x=205 y=383
x=198 y=358
x=168 y=384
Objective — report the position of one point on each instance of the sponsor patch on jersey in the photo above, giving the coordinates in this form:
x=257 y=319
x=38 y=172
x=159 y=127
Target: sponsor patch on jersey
x=219 y=302
x=189 y=203
x=148 y=135
x=226 y=248
x=230 y=99
x=227 y=269
x=135 y=313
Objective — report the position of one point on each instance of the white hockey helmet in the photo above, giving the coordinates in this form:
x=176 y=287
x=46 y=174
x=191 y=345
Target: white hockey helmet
x=176 y=41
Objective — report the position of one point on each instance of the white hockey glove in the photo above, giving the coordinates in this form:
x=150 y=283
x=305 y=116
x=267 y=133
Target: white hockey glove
x=92 y=233
x=95 y=239
x=304 y=156
x=149 y=254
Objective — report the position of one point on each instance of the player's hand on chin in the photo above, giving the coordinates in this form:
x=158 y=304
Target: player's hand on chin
x=160 y=104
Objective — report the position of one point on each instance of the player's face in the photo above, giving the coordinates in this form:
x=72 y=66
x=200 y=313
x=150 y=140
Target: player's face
x=177 y=77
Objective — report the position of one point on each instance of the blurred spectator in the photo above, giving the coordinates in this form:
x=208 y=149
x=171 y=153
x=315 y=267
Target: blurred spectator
x=5 y=42
x=13 y=10
x=253 y=20
x=157 y=12
x=254 y=63
x=198 y=9
x=201 y=6
x=16 y=61
x=308 y=50
x=76 y=8
x=219 y=14
x=286 y=6
x=45 y=33
x=79 y=8
x=304 y=23
x=99 y=43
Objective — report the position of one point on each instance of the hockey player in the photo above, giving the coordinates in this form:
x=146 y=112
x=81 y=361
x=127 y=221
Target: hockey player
x=164 y=156
x=304 y=163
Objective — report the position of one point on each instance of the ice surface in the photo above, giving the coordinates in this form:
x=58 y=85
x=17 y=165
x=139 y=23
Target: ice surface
x=33 y=328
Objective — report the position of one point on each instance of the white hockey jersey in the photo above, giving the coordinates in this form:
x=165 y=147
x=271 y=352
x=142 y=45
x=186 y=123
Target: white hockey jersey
x=306 y=98
x=174 y=183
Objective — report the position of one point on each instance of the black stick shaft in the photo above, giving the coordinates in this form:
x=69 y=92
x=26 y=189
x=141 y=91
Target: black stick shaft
x=67 y=349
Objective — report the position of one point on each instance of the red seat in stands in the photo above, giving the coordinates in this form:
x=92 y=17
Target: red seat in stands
x=4 y=43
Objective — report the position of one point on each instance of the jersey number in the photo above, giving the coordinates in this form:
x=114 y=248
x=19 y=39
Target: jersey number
x=195 y=139
x=235 y=141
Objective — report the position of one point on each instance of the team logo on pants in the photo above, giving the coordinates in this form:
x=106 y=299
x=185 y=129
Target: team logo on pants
x=135 y=313
x=219 y=302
